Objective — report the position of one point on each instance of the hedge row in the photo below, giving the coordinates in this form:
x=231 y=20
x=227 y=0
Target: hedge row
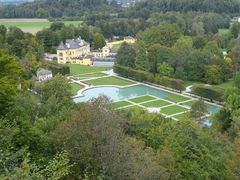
x=148 y=77
x=209 y=92
x=57 y=68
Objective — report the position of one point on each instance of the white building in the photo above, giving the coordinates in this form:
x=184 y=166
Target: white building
x=44 y=74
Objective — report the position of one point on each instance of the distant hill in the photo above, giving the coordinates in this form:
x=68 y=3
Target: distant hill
x=54 y=8
x=217 y=6
x=71 y=8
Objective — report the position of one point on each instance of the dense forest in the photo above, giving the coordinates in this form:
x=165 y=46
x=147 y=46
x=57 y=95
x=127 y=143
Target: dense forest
x=45 y=135
x=78 y=8
x=54 y=8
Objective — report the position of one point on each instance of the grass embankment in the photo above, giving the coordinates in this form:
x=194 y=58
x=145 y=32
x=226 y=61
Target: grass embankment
x=109 y=81
x=76 y=88
x=76 y=69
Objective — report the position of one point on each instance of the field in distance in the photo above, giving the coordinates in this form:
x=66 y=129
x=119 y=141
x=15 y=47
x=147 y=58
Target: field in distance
x=32 y=25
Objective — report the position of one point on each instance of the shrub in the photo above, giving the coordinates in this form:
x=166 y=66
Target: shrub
x=57 y=68
x=121 y=70
x=140 y=75
x=170 y=82
x=209 y=92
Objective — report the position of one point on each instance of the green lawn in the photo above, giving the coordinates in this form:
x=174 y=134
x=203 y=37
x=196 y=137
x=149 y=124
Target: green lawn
x=223 y=31
x=76 y=88
x=37 y=24
x=120 y=104
x=87 y=76
x=157 y=103
x=109 y=81
x=142 y=99
x=80 y=69
x=177 y=98
x=190 y=103
x=115 y=47
x=173 y=110
x=226 y=85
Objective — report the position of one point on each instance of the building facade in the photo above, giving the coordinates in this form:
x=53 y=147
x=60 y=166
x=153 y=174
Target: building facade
x=104 y=52
x=77 y=51
x=72 y=50
x=44 y=74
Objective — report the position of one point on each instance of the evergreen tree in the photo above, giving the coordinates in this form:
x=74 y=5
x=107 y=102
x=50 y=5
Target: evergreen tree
x=141 y=57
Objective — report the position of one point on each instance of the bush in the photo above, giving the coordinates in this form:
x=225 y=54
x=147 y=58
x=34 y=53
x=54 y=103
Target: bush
x=121 y=70
x=57 y=68
x=140 y=75
x=170 y=82
x=209 y=92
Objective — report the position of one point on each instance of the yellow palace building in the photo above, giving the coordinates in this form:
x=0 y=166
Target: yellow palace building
x=74 y=51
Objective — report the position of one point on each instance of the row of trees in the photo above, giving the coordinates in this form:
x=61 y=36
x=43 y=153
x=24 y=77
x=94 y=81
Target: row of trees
x=54 y=8
x=164 y=51
x=51 y=37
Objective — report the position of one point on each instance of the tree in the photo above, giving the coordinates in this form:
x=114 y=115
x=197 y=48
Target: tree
x=177 y=141
x=198 y=109
x=58 y=88
x=235 y=58
x=199 y=41
x=57 y=26
x=10 y=73
x=49 y=38
x=165 y=34
x=213 y=74
x=41 y=13
x=212 y=93
x=233 y=163
x=195 y=65
x=237 y=80
x=98 y=41
x=98 y=146
x=165 y=69
x=153 y=56
x=235 y=29
x=126 y=55
x=141 y=62
x=197 y=28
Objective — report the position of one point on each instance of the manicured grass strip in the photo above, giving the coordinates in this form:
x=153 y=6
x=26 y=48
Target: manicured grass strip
x=80 y=69
x=177 y=98
x=120 y=104
x=87 y=76
x=226 y=85
x=109 y=81
x=97 y=74
x=157 y=103
x=115 y=47
x=173 y=110
x=142 y=99
x=182 y=116
x=190 y=103
x=76 y=88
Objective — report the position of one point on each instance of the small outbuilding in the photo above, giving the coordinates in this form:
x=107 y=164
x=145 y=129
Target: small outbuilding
x=44 y=74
